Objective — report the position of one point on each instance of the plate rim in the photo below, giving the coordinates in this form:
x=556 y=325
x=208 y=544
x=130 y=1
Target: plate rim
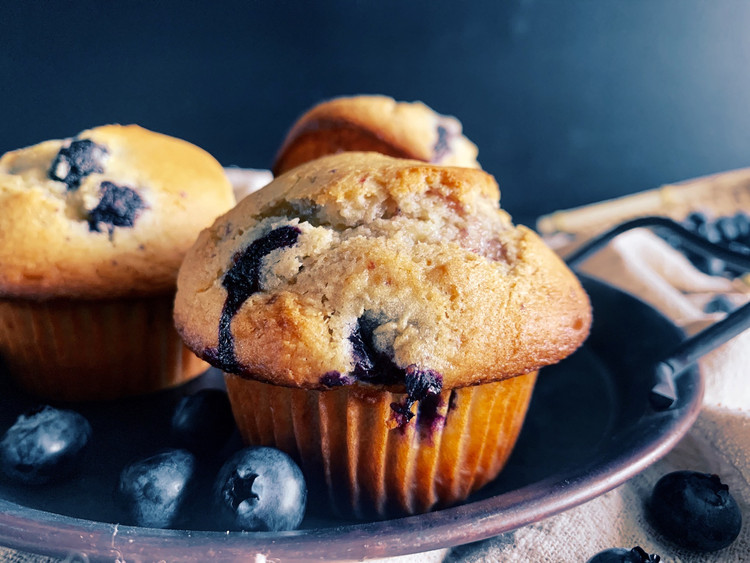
x=29 y=529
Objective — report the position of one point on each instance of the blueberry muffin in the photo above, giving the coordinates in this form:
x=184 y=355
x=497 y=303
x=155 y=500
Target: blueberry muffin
x=92 y=232
x=378 y=124
x=382 y=320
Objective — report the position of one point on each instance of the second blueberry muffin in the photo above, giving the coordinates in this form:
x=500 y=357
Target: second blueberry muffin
x=93 y=229
x=382 y=320
x=379 y=124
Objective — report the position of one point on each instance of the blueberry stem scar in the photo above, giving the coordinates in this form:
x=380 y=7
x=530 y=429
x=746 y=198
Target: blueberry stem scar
x=242 y=489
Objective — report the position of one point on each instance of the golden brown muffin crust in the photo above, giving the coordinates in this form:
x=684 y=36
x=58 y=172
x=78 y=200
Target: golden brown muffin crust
x=121 y=228
x=358 y=258
x=375 y=124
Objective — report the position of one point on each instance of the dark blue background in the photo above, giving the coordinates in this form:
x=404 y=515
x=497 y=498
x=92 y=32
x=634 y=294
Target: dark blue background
x=569 y=101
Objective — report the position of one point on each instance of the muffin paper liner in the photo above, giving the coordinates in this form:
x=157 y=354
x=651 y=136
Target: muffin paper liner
x=354 y=454
x=77 y=350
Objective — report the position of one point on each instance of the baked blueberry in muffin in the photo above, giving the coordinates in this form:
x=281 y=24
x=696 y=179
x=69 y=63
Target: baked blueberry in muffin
x=118 y=207
x=76 y=161
x=241 y=281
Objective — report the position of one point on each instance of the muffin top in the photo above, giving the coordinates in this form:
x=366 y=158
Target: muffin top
x=379 y=124
x=108 y=213
x=359 y=267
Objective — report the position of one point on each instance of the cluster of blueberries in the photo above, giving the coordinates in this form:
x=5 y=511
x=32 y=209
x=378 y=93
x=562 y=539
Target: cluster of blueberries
x=730 y=232
x=257 y=488
x=261 y=488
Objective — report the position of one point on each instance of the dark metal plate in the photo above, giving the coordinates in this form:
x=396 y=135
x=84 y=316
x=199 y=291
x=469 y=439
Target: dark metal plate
x=589 y=429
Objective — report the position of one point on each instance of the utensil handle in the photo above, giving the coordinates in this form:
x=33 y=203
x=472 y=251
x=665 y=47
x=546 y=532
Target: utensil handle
x=690 y=350
x=691 y=240
x=664 y=393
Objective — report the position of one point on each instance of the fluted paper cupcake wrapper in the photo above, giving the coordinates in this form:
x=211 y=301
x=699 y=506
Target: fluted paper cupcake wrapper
x=366 y=465
x=75 y=350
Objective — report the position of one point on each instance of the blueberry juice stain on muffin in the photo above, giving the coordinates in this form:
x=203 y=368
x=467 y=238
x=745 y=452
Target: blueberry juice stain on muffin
x=241 y=281
x=373 y=366
x=423 y=386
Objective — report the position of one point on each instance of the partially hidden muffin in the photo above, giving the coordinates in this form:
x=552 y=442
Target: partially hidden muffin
x=92 y=232
x=381 y=320
x=375 y=123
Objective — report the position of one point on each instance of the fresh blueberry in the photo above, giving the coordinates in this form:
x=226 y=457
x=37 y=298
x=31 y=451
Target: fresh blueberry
x=719 y=304
x=707 y=264
x=44 y=446
x=261 y=489
x=695 y=221
x=203 y=422
x=732 y=232
x=727 y=228
x=118 y=207
x=621 y=555
x=701 y=225
x=152 y=490
x=76 y=161
x=710 y=230
x=695 y=510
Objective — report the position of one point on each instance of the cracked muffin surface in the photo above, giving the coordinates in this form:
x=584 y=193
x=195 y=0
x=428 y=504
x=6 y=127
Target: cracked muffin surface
x=107 y=213
x=362 y=268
